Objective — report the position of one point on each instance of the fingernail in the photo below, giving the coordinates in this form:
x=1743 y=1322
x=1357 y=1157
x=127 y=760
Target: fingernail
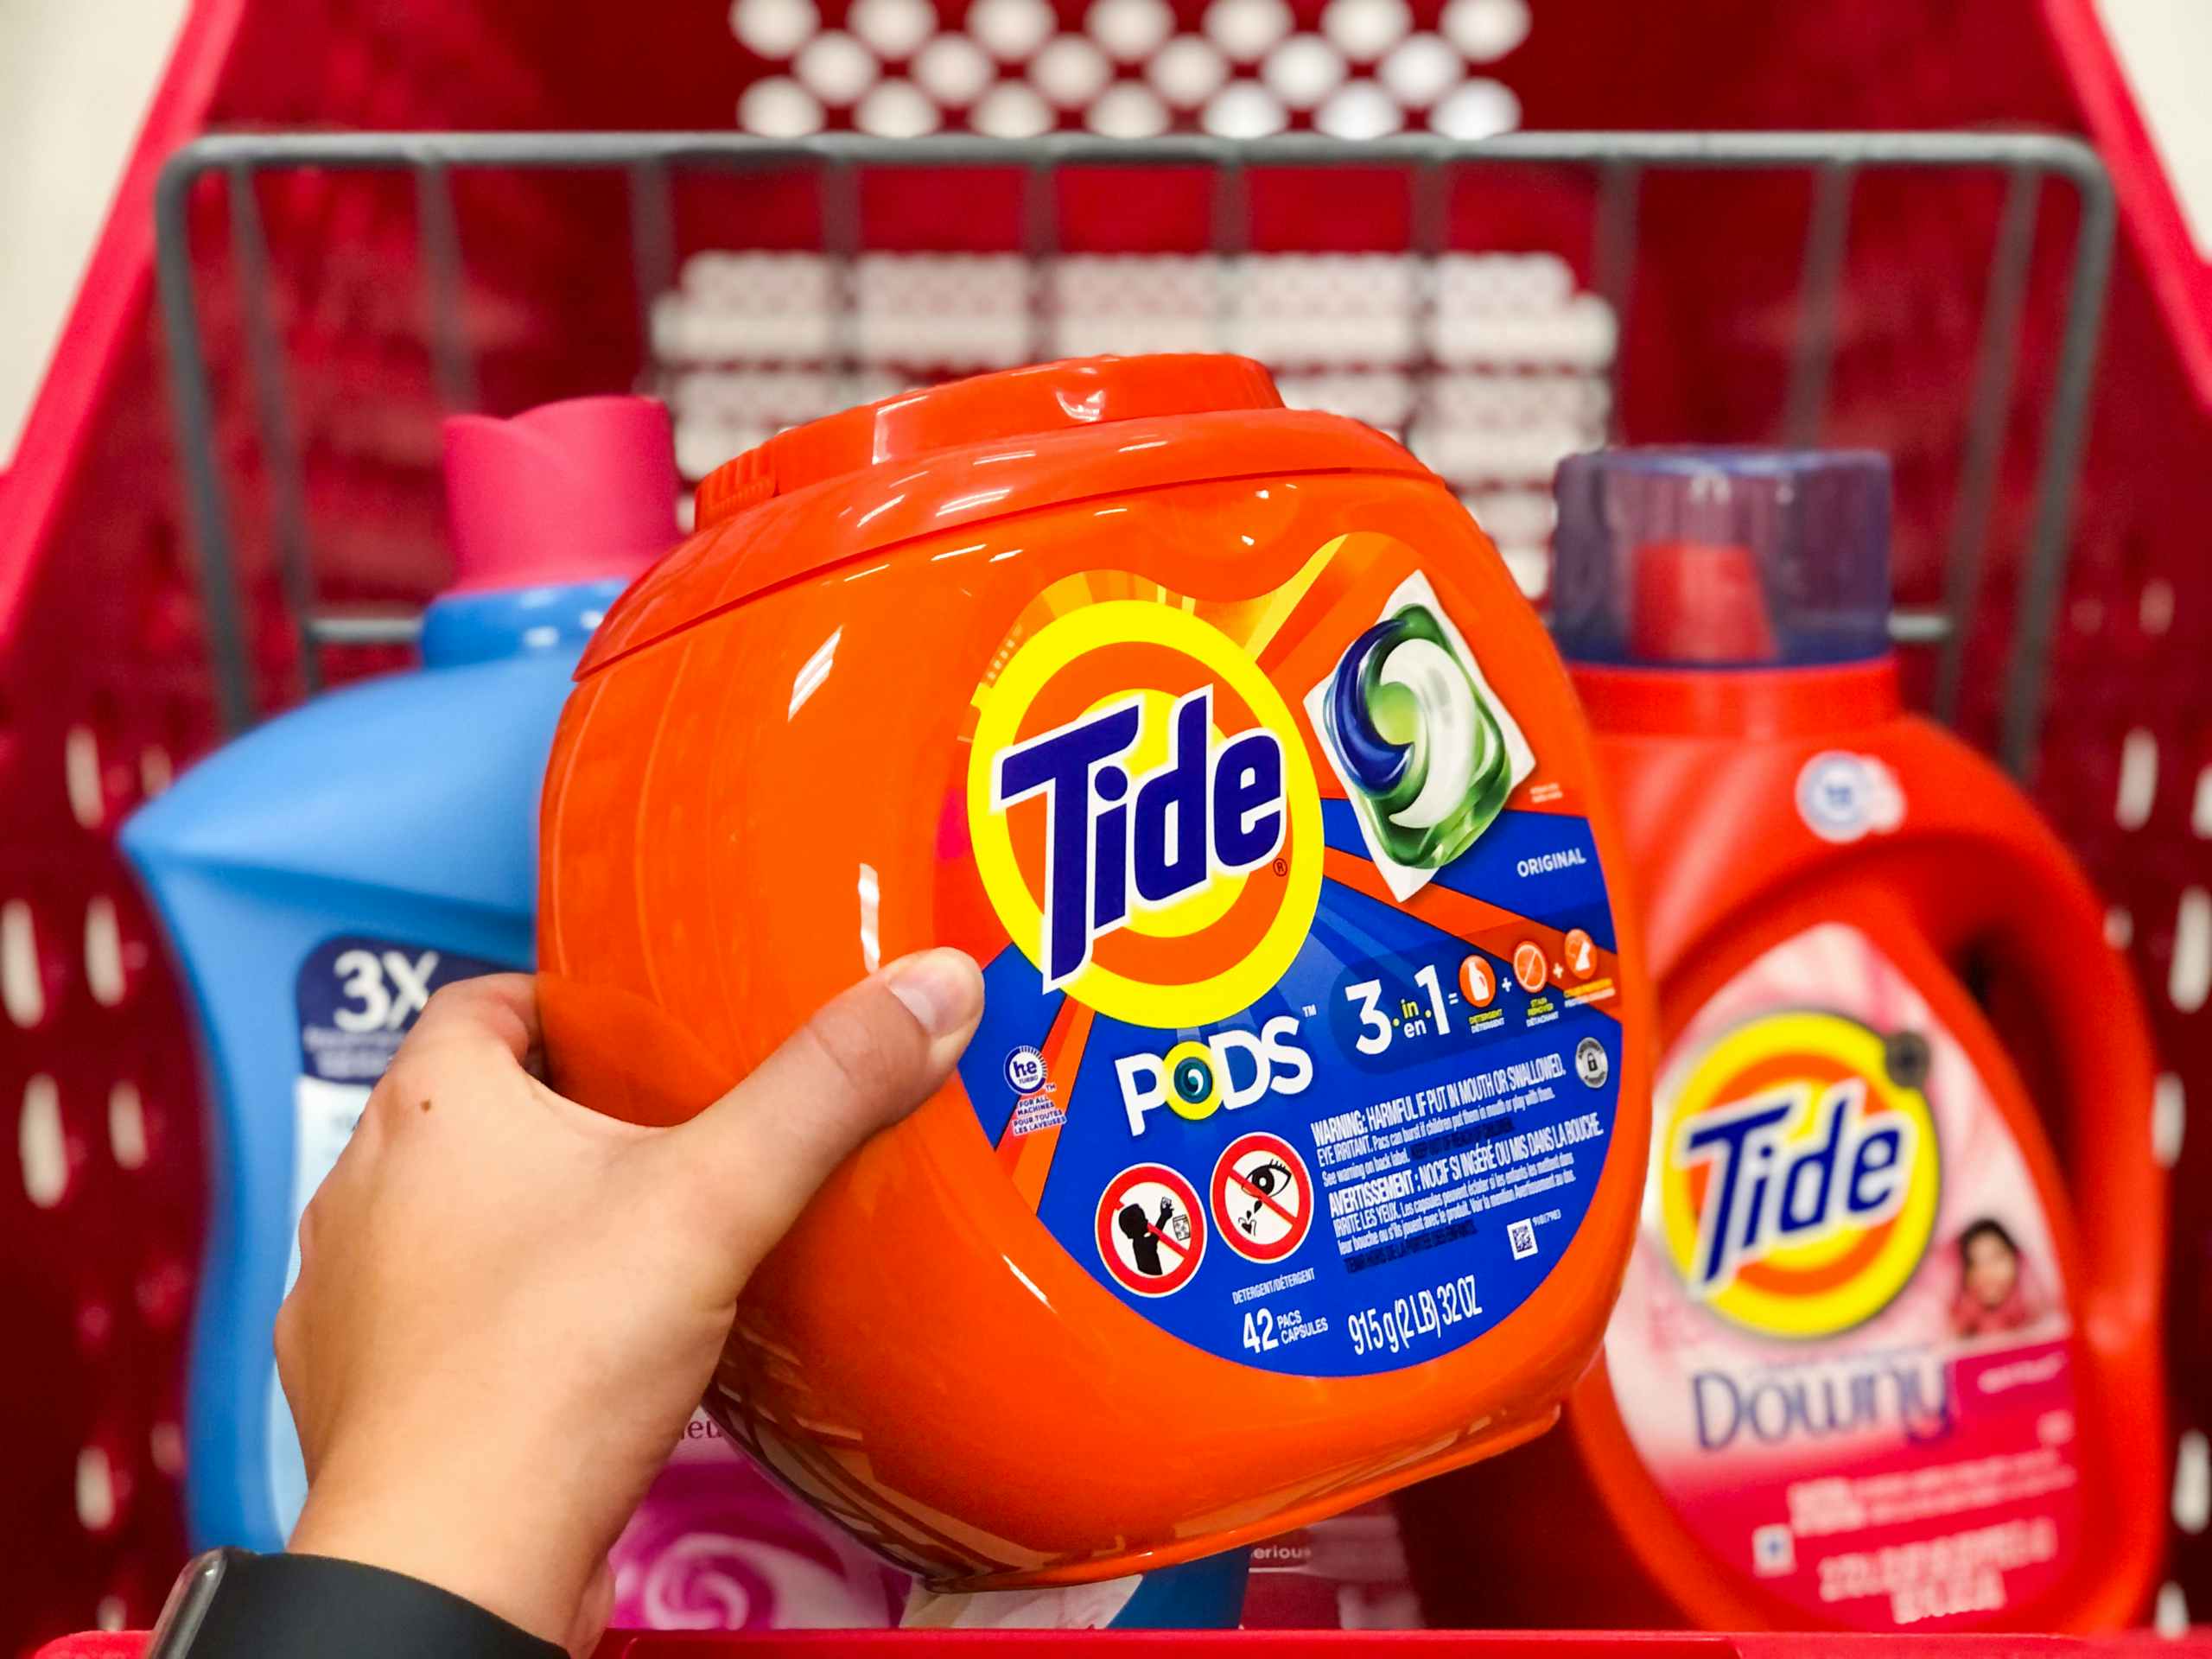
x=940 y=987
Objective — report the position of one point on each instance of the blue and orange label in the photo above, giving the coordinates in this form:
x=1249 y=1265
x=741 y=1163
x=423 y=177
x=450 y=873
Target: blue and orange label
x=1249 y=857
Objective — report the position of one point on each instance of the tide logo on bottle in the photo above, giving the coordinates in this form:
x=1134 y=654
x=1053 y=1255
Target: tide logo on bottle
x=1798 y=1172
x=1144 y=814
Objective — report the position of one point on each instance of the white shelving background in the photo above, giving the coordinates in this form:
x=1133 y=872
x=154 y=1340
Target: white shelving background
x=1493 y=364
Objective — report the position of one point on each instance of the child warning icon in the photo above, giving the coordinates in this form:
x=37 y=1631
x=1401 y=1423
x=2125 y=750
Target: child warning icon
x=1150 y=1234
x=1263 y=1196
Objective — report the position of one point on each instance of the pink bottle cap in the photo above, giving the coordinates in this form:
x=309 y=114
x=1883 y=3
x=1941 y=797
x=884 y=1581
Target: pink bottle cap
x=566 y=492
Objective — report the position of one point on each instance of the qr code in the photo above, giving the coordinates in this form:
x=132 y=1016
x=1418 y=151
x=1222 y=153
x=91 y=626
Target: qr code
x=1521 y=1235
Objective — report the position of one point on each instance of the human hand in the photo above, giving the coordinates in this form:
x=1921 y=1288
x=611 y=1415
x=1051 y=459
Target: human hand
x=508 y=1305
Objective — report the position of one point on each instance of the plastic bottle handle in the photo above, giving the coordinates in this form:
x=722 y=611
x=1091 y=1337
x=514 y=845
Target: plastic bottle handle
x=2039 y=917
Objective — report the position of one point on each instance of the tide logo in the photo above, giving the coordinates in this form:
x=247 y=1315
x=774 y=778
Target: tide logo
x=1144 y=814
x=1231 y=1069
x=1798 y=1174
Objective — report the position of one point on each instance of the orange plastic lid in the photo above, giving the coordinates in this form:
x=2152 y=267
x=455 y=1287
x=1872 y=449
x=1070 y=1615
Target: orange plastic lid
x=1083 y=391
x=923 y=462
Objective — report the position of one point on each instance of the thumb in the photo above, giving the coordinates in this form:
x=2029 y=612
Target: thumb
x=868 y=1058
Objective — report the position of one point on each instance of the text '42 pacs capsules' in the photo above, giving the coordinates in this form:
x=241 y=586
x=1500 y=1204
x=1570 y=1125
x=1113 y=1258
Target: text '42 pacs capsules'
x=1298 y=1154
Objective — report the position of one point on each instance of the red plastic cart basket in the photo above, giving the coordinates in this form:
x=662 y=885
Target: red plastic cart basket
x=397 y=296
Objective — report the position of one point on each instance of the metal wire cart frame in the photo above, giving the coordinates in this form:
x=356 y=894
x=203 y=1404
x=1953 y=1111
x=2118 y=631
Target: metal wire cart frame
x=1618 y=163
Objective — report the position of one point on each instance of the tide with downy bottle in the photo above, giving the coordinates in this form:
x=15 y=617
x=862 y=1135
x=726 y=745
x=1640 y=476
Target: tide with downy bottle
x=1887 y=1357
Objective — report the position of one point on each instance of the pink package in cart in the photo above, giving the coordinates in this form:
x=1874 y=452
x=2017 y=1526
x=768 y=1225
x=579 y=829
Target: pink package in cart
x=717 y=1546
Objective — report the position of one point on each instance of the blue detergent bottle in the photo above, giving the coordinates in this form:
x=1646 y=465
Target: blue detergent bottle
x=320 y=876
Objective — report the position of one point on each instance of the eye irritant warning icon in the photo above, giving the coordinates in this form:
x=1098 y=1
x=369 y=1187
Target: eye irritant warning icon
x=1262 y=1197
x=1150 y=1235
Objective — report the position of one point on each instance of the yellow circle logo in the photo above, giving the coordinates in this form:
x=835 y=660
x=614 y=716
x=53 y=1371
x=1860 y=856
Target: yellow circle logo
x=1144 y=815
x=1798 y=1172
x=1193 y=1084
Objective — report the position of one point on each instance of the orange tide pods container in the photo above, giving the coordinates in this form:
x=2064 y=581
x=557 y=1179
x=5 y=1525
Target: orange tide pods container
x=1887 y=1354
x=1297 y=1155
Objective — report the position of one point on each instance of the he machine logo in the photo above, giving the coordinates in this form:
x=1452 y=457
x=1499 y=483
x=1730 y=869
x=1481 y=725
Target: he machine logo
x=1798 y=1172
x=1144 y=815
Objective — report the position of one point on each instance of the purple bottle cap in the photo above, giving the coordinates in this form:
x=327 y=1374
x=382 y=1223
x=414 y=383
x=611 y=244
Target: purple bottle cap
x=1722 y=557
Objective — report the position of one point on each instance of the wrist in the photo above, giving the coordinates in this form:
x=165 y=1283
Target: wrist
x=474 y=1549
x=230 y=1603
